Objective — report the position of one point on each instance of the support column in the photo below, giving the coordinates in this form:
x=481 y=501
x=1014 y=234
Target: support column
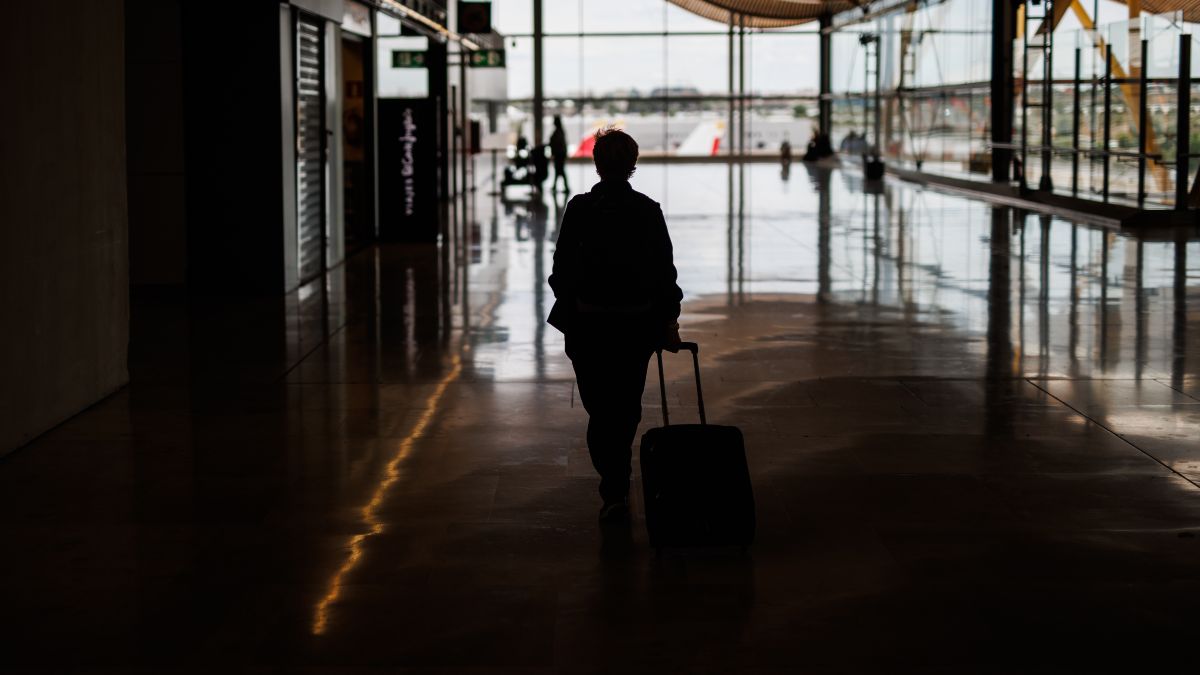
x=730 y=143
x=1143 y=124
x=825 y=104
x=1004 y=21
x=877 y=104
x=464 y=124
x=538 y=99
x=437 y=63
x=741 y=84
x=1183 y=125
x=1046 y=183
x=1076 y=122
x=1108 y=63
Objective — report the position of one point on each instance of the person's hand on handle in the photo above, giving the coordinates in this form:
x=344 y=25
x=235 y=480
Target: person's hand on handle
x=671 y=339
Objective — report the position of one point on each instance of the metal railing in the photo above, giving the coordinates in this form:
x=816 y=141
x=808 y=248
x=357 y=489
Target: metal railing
x=1144 y=156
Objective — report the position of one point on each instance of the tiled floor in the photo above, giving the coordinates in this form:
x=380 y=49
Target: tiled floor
x=974 y=436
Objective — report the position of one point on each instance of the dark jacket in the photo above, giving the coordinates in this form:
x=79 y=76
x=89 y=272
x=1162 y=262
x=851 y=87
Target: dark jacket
x=614 y=261
x=558 y=145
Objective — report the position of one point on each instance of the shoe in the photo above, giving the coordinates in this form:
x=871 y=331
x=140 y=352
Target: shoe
x=615 y=510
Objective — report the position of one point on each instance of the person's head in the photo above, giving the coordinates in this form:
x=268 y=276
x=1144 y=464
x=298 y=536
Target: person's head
x=615 y=154
x=558 y=121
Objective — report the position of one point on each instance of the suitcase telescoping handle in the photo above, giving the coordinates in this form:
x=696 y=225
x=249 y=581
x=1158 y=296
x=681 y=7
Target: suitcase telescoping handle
x=662 y=385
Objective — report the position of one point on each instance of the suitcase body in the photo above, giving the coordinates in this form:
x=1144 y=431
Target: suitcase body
x=695 y=480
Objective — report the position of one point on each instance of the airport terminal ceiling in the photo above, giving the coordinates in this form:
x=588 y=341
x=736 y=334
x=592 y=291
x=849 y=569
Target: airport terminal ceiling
x=1190 y=8
x=778 y=13
x=764 y=13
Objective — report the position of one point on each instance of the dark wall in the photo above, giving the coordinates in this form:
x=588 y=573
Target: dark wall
x=232 y=112
x=154 y=133
x=64 y=255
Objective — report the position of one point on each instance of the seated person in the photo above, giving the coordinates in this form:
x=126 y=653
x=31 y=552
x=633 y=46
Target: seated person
x=819 y=147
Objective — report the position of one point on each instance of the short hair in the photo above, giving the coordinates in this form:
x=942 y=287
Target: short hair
x=615 y=154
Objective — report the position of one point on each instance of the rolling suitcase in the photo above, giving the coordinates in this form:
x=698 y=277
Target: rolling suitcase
x=696 y=484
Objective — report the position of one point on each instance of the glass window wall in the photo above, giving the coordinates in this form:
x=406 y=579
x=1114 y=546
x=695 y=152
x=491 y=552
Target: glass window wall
x=924 y=70
x=1100 y=146
x=658 y=71
x=931 y=67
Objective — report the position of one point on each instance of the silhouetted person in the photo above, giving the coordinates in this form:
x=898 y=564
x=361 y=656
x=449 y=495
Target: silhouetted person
x=819 y=146
x=853 y=144
x=785 y=152
x=616 y=300
x=521 y=155
x=558 y=150
x=517 y=170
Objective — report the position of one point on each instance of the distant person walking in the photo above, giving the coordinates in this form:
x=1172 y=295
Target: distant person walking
x=558 y=150
x=616 y=300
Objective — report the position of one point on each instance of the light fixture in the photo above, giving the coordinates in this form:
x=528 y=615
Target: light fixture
x=409 y=13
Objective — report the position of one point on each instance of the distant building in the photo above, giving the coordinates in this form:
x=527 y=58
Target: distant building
x=675 y=99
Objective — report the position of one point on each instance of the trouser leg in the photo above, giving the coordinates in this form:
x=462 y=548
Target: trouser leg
x=560 y=171
x=611 y=387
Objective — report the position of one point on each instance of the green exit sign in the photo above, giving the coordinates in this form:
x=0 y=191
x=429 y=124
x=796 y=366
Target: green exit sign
x=407 y=59
x=487 y=58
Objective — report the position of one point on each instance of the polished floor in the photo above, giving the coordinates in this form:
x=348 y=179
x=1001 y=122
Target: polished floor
x=974 y=435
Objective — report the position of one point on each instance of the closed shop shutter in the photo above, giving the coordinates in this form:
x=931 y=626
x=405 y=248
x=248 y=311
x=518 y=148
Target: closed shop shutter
x=310 y=146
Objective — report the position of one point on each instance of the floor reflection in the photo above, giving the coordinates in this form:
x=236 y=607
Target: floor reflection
x=370 y=519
